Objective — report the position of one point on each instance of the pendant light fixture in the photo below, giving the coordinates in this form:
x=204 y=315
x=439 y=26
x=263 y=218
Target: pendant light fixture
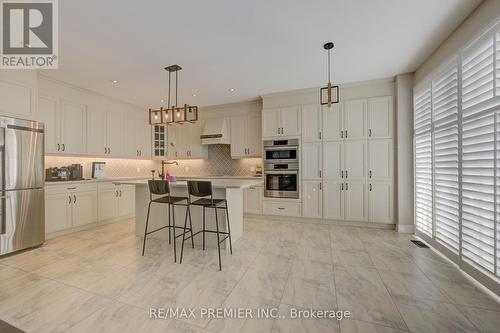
x=173 y=113
x=329 y=94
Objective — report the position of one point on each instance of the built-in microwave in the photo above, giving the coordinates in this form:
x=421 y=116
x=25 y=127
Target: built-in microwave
x=281 y=151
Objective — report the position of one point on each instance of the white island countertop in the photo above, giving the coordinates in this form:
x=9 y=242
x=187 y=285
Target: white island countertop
x=216 y=182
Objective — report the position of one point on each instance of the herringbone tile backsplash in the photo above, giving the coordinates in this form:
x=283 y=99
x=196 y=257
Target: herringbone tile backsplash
x=219 y=163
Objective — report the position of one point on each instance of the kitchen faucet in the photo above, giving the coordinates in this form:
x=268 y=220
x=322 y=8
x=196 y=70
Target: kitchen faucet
x=163 y=163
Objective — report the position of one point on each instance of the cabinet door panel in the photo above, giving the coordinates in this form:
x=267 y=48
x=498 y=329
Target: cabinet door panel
x=380 y=202
x=254 y=136
x=311 y=160
x=333 y=200
x=238 y=136
x=16 y=98
x=332 y=121
x=84 y=208
x=196 y=149
x=355 y=201
x=332 y=160
x=126 y=201
x=73 y=127
x=355 y=159
x=312 y=199
x=96 y=136
x=107 y=204
x=253 y=200
x=143 y=137
x=172 y=149
x=290 y=120
x=380 y=159
x=115 y=135
x=48 y=114
x=311 y=123
x=355 y=119
x=380 y=117
x=270 y=122
x=57 y=212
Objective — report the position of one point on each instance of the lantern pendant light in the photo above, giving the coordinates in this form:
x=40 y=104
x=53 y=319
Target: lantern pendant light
x=173 y=113
x=329 y=94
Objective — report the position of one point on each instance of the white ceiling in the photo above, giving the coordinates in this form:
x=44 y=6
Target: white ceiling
x=256 y=47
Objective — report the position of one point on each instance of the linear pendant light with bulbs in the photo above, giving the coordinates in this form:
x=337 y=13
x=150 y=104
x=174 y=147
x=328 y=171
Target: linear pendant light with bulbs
x=173 y=113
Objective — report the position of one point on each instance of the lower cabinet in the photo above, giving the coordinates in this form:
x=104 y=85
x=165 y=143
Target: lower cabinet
x=282 y=208
x=380 y=199
x=70 y=206
x=312 y=201
x=115 y=201
x=252 y=197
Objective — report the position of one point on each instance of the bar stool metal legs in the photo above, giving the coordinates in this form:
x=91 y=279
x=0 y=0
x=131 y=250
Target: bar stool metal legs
x=146 y=229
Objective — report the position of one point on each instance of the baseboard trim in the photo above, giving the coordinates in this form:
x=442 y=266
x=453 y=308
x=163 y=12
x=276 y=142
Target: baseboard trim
x=405 y=228
x=84 y=227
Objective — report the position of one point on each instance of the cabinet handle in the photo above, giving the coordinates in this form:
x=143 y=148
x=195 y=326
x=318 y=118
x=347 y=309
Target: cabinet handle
x=346 y=174
x=63 y=147
x=282 y=131
x=370 y=132
x=319 y=135
x=116 y=194
x=370 y=187
x=120 y=193
x=320 y=186
x=109 y=150
x=58 y=147
x=370 y=174
x=346 y=134
x=346 y=186
x=140 y=152
x=341 y=173
x=69 y=196
x=278 y=130
x=281 y=208
x=74 y=198
x=342 y=187
x=341 y=134
x=320 y=174
x=71 y=188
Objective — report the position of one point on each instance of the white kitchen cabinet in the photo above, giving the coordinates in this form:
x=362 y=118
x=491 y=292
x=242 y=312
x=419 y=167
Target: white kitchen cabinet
x=333 y=121
x=84 y=207
x=281 y=122
x=48 y=113
x=246 y=136
x=184 y=141
x=172 y=152
x=70 y=206
x=355 y=159
x=380 y=198
x=355 y=119
x=356 y=205
x=159 y=135
x=105 y=133
x=311 y=161
x=311 y=123
x=138 y=135
x=380 y=159
x=332 y=160
x=312 y=199
x=73 y=128
x=57 y=211
x=333 y=200
x=281 y=208
x=115 y=201
x=18 y=93
x=252 y=197
x=380 y=117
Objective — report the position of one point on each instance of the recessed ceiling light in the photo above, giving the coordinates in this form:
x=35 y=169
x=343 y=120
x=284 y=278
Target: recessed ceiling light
x=114 y=81
x=194 y=95
x=231 y=89
x=162 y=100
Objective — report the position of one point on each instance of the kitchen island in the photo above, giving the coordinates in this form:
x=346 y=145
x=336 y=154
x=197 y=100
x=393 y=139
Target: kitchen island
x=229 y=189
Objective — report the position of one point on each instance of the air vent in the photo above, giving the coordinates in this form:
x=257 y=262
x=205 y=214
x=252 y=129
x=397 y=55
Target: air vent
x=419 y=244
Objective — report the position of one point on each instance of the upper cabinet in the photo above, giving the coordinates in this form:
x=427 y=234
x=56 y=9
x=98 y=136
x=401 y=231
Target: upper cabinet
x=105 y=133
x=184 y=141
x=281 y=122
x=355 y=119
x=246 y=136
x=138 y=135
x=311 y=123
x=380 y=117
x=18 y=93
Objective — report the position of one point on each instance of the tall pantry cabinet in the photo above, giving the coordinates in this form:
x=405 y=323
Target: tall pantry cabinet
x=347 y=160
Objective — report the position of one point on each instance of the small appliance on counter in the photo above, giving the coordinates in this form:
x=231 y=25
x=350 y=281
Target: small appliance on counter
x=71 y=172
x=98 y=170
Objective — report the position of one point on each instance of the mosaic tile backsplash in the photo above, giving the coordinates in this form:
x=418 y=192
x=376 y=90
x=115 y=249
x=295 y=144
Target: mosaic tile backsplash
x=219 y=163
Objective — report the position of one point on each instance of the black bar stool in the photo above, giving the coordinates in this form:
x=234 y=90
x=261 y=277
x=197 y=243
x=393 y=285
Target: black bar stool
x=161 y=187
x=203 y=189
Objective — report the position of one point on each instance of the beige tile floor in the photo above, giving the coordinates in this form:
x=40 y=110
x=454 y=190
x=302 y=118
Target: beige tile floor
x=97 y=281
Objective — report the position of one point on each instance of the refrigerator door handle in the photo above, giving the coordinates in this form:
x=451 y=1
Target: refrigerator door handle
x=2 y=222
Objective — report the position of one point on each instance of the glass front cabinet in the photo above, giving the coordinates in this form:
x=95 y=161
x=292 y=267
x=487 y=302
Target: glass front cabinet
x=159 y=133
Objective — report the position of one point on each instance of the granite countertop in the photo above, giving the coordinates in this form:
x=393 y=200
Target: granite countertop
x=144 y=179
x=216 y=182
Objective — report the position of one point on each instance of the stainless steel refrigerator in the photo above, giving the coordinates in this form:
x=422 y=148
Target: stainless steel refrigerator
x=22 y=199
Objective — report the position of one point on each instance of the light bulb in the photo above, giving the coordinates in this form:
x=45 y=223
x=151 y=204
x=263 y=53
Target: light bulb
x=156 y=116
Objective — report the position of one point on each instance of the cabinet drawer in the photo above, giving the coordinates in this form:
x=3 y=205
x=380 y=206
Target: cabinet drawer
x=57 y=189
x=281 y=208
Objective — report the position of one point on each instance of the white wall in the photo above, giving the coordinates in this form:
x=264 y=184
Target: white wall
x=404 y=153
x=481 y=18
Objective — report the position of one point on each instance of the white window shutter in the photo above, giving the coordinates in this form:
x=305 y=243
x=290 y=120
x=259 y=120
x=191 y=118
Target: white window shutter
x=478 y=191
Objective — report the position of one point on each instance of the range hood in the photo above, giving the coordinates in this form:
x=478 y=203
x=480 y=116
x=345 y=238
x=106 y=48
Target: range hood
x=215 y=132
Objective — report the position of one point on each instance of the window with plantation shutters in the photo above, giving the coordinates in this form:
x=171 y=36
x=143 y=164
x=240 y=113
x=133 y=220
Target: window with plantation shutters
x=478 y=192
x=423 y=161
x=445 y=148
